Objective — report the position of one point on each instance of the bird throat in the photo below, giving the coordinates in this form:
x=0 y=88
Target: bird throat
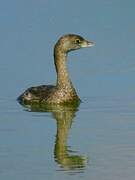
x=60 y=60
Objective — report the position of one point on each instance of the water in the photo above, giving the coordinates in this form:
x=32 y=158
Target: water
x=92 y=141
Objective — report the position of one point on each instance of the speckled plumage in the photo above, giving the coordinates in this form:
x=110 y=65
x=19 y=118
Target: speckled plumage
x=63 y=92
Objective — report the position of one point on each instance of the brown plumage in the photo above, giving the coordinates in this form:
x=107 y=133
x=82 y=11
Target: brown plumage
x=63 y=92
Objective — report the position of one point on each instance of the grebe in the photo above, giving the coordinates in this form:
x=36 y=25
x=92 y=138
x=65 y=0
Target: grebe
x=63 y=92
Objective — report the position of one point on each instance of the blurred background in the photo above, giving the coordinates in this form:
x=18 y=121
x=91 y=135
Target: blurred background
x=29 y=30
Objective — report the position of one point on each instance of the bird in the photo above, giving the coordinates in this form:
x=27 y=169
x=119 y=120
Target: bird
x=63 y=92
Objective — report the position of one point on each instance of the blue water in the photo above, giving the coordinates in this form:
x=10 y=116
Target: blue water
x=95 y=140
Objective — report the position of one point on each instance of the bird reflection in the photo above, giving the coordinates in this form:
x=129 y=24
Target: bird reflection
x=64 y=115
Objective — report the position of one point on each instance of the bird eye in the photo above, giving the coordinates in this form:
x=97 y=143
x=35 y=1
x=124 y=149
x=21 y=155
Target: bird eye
x=77 y=41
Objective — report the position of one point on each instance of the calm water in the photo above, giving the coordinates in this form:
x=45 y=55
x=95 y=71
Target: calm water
x=92 y=141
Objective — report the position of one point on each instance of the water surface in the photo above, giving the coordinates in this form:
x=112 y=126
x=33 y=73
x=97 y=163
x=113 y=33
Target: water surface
x=92 y=141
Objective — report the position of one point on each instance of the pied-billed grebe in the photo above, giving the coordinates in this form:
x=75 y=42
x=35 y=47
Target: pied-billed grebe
x=63 y=92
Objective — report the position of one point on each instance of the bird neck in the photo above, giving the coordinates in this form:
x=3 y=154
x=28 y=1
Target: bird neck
x=60 y=58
